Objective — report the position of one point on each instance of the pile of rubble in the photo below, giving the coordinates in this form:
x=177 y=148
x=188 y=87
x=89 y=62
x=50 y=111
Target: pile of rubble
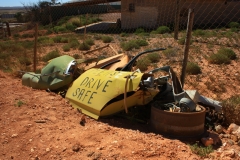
x=228 y=141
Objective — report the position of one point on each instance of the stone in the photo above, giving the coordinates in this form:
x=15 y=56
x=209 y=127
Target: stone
x=14 y=135
x=234 y=138
x=233 y=128
x=76 y=147
x=228 y=153
x=219 y=129
x=207 y=141
x=215 y=137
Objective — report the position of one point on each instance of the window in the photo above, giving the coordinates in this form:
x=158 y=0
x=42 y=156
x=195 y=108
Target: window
x=131 y=7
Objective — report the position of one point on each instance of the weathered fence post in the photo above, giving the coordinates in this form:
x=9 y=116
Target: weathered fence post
x=85 y=28
x=187 y=43
x=177 y=17
x=8 y=29
x=35 y=48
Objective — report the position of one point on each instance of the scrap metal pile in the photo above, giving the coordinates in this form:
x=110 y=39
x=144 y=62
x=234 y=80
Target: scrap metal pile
x=109 y=86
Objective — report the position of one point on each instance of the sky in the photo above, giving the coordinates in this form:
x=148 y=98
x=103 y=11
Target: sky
x=13 y=3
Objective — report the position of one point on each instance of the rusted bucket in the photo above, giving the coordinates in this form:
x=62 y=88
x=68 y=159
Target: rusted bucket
x=178 y=124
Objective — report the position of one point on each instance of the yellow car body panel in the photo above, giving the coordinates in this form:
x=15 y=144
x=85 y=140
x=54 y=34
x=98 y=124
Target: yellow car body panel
x=94 y=92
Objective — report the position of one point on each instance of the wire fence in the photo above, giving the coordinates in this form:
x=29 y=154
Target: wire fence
x=132 y=26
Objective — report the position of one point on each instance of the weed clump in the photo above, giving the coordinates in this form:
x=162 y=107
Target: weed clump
x=154 y=57
x=162 y=30
x=181 y=41
x=89 y=42
x=25 y=60
x=234 y=25
x=193 y=68
x=57 y=39
x=127 y=46
x=107 y=39
x=231 y=110
x=227 y=52
x=84 y=46
x=51 y=55
x=66 y=48
x=139 y=30
x=171 y=52
x=218 y=59
x=199 y=32
x=201 y=151
x=143 y=64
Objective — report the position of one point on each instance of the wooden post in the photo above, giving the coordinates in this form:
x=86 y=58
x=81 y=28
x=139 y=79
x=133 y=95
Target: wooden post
x=177 y=17
x=85 y=29
x=8 y=29
x=187 y=44
x=35 y=49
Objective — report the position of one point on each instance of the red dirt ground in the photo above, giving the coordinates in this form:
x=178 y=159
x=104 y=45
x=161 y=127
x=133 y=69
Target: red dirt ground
x=47 y=127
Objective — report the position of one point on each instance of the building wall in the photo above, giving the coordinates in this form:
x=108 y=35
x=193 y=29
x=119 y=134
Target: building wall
x=154 y=13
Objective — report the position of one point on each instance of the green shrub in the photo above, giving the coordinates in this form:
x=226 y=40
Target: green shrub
x=154 y=57
x=139 y=30
x=64 y=40
x=63 y=20
x=193 y=68
x=84 y=46
x=154 y=32
x=59 y=29
x=141 y=42
x=73 y=43
x=127 y=46
x=16 y=35
x=25 y=60
x=123 y=34
x=77 y=56
x=199 y=32
x=107 y=39
x=218 y=59
x=57 y=39
x=234 y=25
x=181 y=41
x=66 y=48
x=51 y=55
x=97 y=37
x=42 y=39
x=89 y=41
x=70 y=27
x=231 y=109
x=234 y=30
x=228 y=52
x=170 y=52
x=162 y=30
x=75 y=22
x=143 y=64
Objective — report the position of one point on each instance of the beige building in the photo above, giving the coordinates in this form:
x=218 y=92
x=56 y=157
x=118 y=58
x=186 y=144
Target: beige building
x=154 y=13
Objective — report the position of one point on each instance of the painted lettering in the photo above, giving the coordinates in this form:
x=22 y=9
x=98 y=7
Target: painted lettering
x=84 y=81
x=94 y=83
x=91 y=97
x=76 y=92
x=106 y=85
x=89 y=82
x=86 y=94
x=99 y=84
x=81 y=93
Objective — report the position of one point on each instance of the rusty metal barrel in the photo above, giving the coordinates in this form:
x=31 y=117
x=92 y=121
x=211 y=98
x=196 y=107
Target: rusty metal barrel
x=178 y=124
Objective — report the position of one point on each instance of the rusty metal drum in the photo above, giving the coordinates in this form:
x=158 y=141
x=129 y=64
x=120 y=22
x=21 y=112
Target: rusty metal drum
x=178 y=124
